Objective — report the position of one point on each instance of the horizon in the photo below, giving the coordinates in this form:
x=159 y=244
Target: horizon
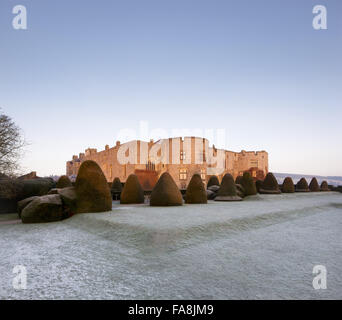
x=81 y=76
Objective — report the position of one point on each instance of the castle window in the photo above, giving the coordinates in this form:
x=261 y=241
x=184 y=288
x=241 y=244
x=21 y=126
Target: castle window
x=111 y=172
x=254 y=163
x=182 y=174
x=203 y=174
x=150 y=166
x=182 y=155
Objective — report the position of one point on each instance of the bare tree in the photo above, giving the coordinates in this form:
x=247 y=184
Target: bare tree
x=11 y=145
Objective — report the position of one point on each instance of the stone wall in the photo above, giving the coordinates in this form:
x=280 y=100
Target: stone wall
x=180 y=157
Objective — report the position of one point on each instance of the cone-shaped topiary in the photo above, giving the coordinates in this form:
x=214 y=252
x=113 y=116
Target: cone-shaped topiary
x=238 y=180
x=270 y=185
x=288 y=185
x=213 y=181
x=166 y=192
x=132 y=191
x=195 y=192
x=302 y=186
x=92 y=190
x=116 y=189
x=324 y=186
x=116 y=185
x=63 y=182
x=248 y=184
x=227 y=191
x=314 y=186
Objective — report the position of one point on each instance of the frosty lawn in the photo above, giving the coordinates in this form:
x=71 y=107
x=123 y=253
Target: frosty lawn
x=263 y=247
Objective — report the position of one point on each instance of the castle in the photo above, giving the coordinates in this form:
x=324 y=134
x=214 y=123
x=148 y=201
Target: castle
x=180 y=157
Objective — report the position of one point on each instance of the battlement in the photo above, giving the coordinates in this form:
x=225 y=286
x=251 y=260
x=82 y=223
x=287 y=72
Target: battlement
x=181 y=157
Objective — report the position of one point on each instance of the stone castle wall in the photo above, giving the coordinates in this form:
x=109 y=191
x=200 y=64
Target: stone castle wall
x=180 y=157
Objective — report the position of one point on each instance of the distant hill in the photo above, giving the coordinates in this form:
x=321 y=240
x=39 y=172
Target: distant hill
x=332 y=180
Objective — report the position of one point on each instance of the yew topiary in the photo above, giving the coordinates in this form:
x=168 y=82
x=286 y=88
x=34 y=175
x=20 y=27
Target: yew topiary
x=46 y=208
x=166 y=192
x=132 y=191
x=248 y=184
x=324 y=186
x=213 y=181
x=14 y=190
x=92 y=190
x=227 y=191
x=195 y=192
x=270 y=185
x=36 y=187
x=302 y=186
x=63 y=182
x=314 y=186
x=238 y=180
x=116 y=188
x=288 y=185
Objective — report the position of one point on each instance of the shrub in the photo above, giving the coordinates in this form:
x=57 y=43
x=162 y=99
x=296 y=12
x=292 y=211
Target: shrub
x=324 y=186
x=13 y=190
x=314 y=186
x=270 y=185
x=132 y=191
x=63 y=182
x=195 y=193
x=166 y=192
x=288 y=185
x=116 y=186
x=227 y=191
x=213 y=181
x=92 y=191
x=248 y=184
x=302 y=186
x=238 y=180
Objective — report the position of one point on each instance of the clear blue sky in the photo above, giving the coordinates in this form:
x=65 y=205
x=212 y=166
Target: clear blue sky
x=84 y=70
